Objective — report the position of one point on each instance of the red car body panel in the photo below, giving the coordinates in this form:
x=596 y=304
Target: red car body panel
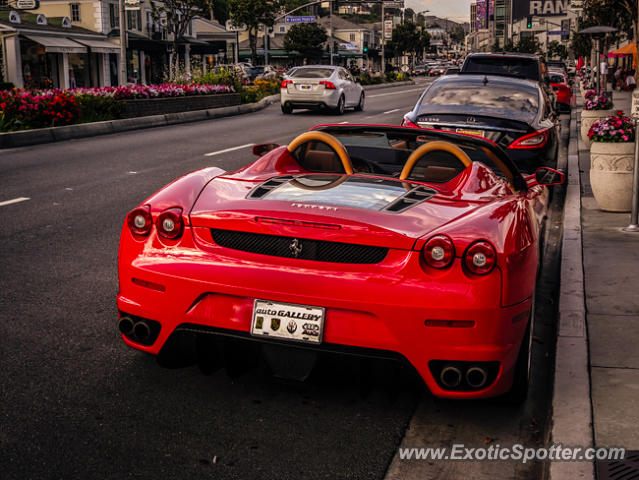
x=563 y=93
x=382 y=306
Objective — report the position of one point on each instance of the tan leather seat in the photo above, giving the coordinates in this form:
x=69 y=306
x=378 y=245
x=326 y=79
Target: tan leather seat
x=435 y=174
x=322 y=161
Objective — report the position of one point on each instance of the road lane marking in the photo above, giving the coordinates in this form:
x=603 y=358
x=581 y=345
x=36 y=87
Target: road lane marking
x=14 y=200
x=342 y=123
x=390 y=111
x=396 y=93
x=226 y=150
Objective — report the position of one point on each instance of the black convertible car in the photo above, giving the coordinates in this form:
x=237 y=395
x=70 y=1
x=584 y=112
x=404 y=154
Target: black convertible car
x=514 y=113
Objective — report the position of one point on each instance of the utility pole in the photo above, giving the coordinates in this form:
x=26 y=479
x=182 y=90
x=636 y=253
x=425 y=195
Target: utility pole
x=330 y=27
x=123 y=76
x=383 y=40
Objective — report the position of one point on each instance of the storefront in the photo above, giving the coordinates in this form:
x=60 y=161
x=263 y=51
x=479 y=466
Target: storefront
x=39 y=55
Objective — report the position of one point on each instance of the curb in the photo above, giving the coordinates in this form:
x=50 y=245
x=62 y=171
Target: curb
x=571 y=403
x=57 y=134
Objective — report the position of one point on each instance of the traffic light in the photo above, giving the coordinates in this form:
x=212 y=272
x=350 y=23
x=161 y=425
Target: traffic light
x=365 y=48
x=529 y=22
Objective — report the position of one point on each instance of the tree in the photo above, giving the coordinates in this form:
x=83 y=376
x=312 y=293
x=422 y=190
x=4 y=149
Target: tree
x=556 y=49
x=252 y=13
x=307 y=39
x=581 y=45
x=457 y=33
x=178 y=14
x=220 y=10
x=528 y=44
x=407 y=38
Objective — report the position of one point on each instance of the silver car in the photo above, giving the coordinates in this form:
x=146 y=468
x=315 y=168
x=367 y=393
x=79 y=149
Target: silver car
x=321 y=86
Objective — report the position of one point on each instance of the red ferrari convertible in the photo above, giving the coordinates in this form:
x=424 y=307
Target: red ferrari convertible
x=394 y=242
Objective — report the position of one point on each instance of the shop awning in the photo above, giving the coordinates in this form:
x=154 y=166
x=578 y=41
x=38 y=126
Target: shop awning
x=99 y=46
x=53 y=44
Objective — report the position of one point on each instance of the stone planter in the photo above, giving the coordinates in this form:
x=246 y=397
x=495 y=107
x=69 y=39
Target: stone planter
x=161 y=106
x=611 y=166
x=588 y=117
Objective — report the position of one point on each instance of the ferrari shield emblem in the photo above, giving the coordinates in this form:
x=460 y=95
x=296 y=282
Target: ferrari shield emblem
x=275 y=324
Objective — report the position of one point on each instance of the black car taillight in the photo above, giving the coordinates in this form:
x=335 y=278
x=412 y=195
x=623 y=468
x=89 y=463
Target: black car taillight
x=439 y=251
x=170 y=224
x=536 y=139
x=480 y=258
x=140 y=221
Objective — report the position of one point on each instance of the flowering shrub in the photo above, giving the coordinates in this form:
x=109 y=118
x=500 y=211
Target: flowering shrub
x=598 y=102
x=614 y=128
x=24 y=109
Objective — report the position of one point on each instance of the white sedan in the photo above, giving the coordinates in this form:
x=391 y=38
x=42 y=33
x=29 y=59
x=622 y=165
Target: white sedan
x=321 y=87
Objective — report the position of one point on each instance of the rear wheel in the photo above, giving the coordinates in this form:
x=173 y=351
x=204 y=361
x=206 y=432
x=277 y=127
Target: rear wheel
x=339 y=110
x=360 y=105
x=519 y=391
x=286 y=109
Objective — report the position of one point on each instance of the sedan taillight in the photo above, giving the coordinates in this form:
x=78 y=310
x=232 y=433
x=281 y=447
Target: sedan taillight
x=286 y=83
x=140 y=220
x=533 y=140
x=480 y=258
x=327 y=85
x=170 y=224
x=439 y=251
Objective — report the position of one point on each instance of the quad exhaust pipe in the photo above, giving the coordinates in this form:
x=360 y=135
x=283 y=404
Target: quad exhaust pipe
x=139 y=330
x=476 y=377
x=450 y=376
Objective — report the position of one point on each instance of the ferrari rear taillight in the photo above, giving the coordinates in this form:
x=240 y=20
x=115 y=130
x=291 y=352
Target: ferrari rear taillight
x=170 y=224
x=533 y=140
x=140 y=220
x=327 y=85
x=286 y=83
x=439 y=251
x=407 y=123
x=480 y=258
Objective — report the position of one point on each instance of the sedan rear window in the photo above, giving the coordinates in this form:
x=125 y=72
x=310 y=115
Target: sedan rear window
x=519 y=98
x=556 y=78
x=513 y=66
x=312 y=73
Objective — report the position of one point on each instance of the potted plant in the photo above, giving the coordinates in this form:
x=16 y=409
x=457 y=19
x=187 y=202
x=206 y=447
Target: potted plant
x=611 y=162
x=597 y=106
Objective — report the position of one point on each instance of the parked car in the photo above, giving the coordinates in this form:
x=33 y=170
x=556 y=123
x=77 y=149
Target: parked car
x=321 y=87
x=415 y=246
x=514 y=113
x=519 y=65
x=451 y=70
x=561 y=87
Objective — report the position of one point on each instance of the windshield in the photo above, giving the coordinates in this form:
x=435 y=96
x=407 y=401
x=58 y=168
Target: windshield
x=554 y=78
x=514 y=66
x=312 y=73
x=520 y=97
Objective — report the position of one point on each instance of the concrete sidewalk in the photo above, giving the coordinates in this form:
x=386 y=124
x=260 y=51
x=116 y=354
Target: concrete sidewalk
x=611 y=275
x=597 y=362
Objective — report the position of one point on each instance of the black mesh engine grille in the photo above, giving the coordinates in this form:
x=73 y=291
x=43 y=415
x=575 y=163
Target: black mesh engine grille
x=302 y=248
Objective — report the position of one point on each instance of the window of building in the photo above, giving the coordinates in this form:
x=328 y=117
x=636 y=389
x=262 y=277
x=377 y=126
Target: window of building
x=114 y=15
x=282 y=29
x=352 y=37
x=75 y=12
x=134 y=19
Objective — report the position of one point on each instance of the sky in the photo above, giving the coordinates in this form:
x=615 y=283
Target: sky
x=457 y=10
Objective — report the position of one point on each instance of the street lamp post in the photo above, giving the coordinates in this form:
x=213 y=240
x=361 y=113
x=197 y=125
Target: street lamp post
x=123 y=79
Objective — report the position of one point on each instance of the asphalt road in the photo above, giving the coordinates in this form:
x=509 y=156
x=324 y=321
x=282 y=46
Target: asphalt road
x=75 y=402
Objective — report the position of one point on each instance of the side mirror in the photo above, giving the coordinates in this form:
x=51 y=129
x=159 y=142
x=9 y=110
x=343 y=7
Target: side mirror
x=263 y=148
x=548 y=176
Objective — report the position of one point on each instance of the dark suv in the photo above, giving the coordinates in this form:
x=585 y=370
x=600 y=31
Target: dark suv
x=520 y=65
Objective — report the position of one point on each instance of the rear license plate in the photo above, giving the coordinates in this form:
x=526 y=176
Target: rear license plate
x=478 y=133
x=305 y=87
x=288 y=321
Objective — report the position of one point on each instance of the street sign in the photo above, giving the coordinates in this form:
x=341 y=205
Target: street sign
x=398 y=4
x=131 y=4
x=27 y=4
x=559 y=32
x=301 y=19
x=388 y=29
x=634 y=110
